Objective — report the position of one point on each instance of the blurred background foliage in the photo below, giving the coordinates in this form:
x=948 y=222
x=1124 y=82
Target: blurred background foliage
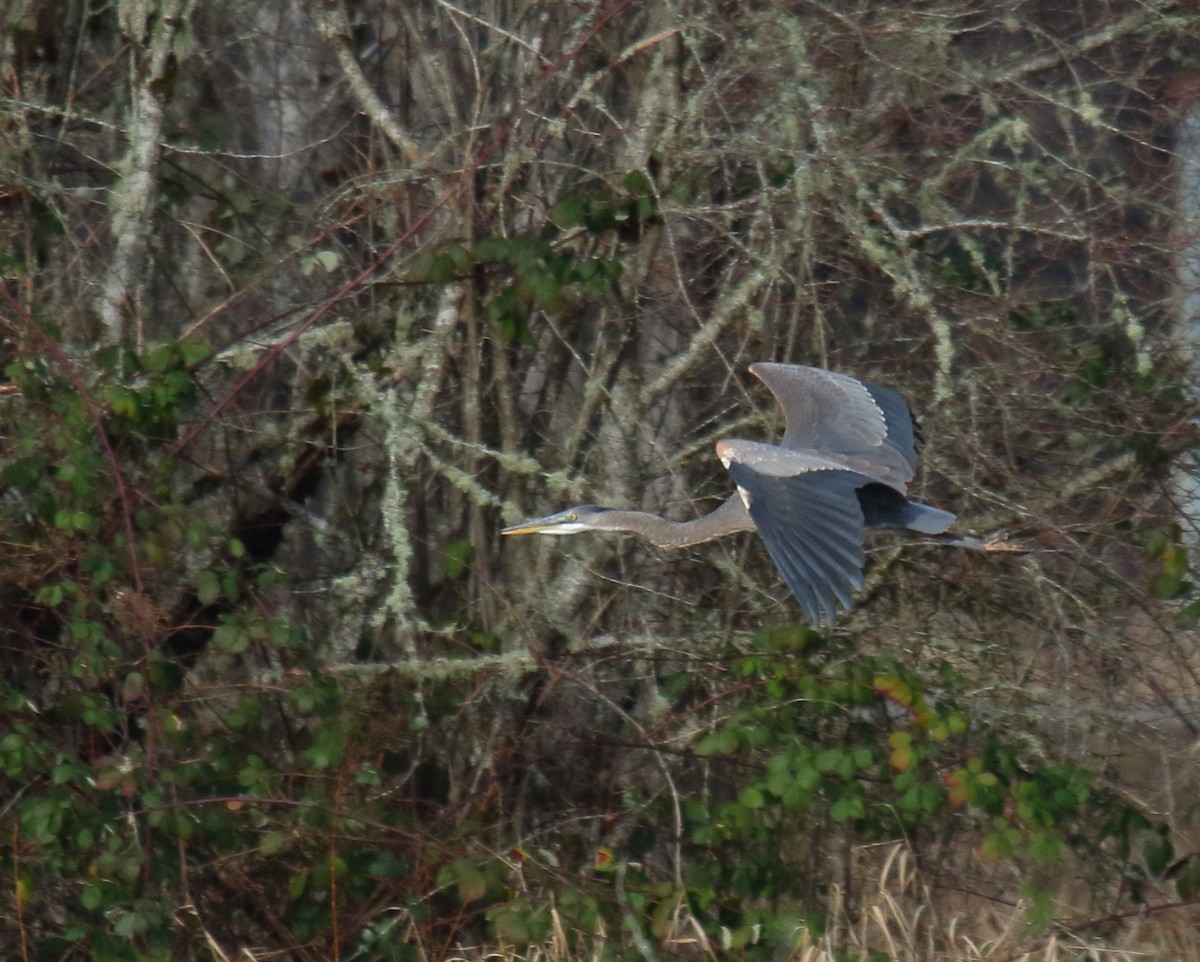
x=303 y=301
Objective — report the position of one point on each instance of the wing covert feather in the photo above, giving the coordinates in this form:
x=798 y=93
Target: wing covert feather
x=863 y=426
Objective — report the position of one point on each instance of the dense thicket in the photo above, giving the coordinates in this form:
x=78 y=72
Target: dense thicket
x=303 y=301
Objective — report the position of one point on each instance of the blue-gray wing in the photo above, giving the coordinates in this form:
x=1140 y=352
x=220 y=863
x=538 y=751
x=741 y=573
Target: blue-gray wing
x=812 y=525
x=901 y=427
x=866 y=427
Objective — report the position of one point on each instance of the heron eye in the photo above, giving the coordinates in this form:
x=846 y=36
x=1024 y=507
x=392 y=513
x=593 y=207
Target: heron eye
x=572 y=516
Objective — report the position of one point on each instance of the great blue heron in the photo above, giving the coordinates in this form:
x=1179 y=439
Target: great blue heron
x=843 y=465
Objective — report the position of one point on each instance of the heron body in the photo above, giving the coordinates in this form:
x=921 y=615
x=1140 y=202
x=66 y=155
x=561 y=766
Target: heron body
x=842 y=465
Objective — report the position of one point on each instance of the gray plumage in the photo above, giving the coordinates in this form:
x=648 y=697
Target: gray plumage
x=843 y=465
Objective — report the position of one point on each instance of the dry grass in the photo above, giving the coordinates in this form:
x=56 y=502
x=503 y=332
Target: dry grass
x=901 y=922
x=900 y=919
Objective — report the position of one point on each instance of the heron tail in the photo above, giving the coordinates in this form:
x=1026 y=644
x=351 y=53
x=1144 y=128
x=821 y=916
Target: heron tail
x=885 y=507
x=925 y=518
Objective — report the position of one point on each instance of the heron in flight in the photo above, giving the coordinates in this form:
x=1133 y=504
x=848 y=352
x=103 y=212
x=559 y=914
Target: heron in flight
x=843 y=465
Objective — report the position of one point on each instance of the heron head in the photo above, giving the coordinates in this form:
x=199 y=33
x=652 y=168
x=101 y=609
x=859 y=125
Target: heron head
x=580 y=518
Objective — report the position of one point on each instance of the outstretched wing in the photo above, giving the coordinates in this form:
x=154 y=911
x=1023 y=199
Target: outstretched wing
x=806 y=511
x=865 y=427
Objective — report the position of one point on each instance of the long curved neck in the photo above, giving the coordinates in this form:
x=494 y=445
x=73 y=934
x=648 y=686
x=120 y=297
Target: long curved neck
x=729 y=518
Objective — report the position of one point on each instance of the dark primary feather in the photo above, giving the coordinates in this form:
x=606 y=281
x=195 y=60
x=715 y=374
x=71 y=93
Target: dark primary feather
x=812 y=526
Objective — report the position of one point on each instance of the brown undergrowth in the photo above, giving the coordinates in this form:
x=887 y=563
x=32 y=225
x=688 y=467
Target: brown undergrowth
x=902 y=918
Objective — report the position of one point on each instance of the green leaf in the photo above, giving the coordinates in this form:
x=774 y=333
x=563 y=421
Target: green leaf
x=49 y=595
x=457 y=558
x=133 y=686
x=107 y=357
x=636 y=182
x=91 y=897
x=845 y=809
x=122 y=401
x=193 y=352
x=1189 y=617
x=161 y=357
x=829 y=759
x=297 y=884
x=808 y=778
x=752 y=797
x=547 y=292
x=491 y=249
x=721 y=742
x=1158 y=854
x=421 y=267
x=69 y=521
x=568 y=212
x=797 y=797
x=231 y=583
x=514 y=923
x=1175 y=560
x=997 y=844
x=1039 y=911
x=1187 y=881
x=443 y=269
x=468 y=880
x=931 y=797
x=231 y=638
x=27 y=474
x=208 y=586
x=130 y=925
